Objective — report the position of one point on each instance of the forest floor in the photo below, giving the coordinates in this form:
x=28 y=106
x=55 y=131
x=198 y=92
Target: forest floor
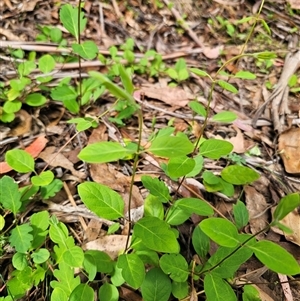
x=264 y=137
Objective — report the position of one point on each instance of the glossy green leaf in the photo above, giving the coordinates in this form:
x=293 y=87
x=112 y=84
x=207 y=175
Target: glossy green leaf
x=286 y=205
x=156 y=235
x=217 y=289
x=101 y=200
x=226 y=86
x=194 y=205
x=276 y=258
x=157 y=188
x=239 y=175
x=46 y=63
x=35 y=99
x=180 y=290
x=20 y=238
x=200 y=242
x=225 y=117
x=215 y=148
x=175 y=265
x=102 y=152
x=220 y=230
x=12 y=106
x=69 y=17
x=109 y=292
x=156 y=286
x=176 y=216
x=19 y=160
x=10 y=195
x=87 y=49
x=82 y=292
x=133 y=269
x=43 y=179
x=170 y=147
x=250 y=293
x=241 y=214
x=180 y=166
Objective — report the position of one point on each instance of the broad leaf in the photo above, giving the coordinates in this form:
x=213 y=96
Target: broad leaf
x=157 y=188
x=10 y=195
x=193 y=205
x=156 y=286
x=109 y=292
x=74 y=257
x=43 y=179
x=286 y=205
x=104 y=263
x=87 y=50
x=239 y=175
x=226 y=86
x=225 y=117
x=19 y=160
x=245 y=75
x=215 y=148
x=220 y=230
x=180 y=166
x=102 y=152
x=20 y=238
x=82 y=292
x=241 y=214
x=200 y=242
x=276 y=258
x=35 y=99
x=46 y=63
x=101 y=200
x=156 y=235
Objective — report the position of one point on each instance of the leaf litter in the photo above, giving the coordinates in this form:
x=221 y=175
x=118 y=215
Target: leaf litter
x=203 y=45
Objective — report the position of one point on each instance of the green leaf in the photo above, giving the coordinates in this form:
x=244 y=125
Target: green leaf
x=10 y=195
x=69 y=17
x=198 y=167
x=276 y=258
x=82 y=292
x=102 y=152
x=101 y=200
x=157 y=188
x=176 y=216
x=156 y=235
x=35 y=99
x=58 y=233
x=89 y=265
x=241 y=214
x=180 y=166
x=20 y=238
x=43 y=179
x=64 y=93
x=153 y=207
x=83 y=123
x=39 y=222
x=180 y=290
x=200 y=242
x=133 y=270
x=2 y=222
x=59 y=294
x=267 y=55
x=175 y=265
x=170 y=147
x=217 y=289
x=104 y=263
x=46 y=63
x=156 y=286
x=194 y=205
x=19 y=261
x=199 y=72
x=225 y=117
x=220 y=230
x=126 y=80
x=266 y=26
x=51 y=189
x=245 y=75
x=74 y=257
x=55 y=35
x=215 y=148
x=239 y=175
x=40 y=256
x=19 y=160
x=108 y=292
x=87 y=50
x=250 y=293
x=226 y=86
x=286 y=205
x=12 y=106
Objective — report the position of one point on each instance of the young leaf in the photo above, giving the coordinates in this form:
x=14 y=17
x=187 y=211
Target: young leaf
x=156 y=235
x=10 y=195
x=245 y=75
x=239 y=175
x=170 y=147
x=250 y=293
x=241 y=214
x=19 y=261
x=286 y=205
x=58 y=294
x=276 y=258
x=51 y=189
x=180 y=166
x=156 y=286
x=133 y=269
x=74 y=257
x=215 y=148
x=175 y=265
x=200 y=242
x=198 y=167
x=220 y=230
x=102 y=152
x=87 y=50
x=101 y=200
x=82 y=292
x=40 y=256
x=225 y=117
x=109 y=292
x=20 y=238
x=226 y=86
x=43 y=179
x=218 y=289
x=157 y=188
x=35 y=99
x=39 y=223
x=126 y=80
x=46 y=63
x=199 y=72
x=69 y=17
x=19 y=160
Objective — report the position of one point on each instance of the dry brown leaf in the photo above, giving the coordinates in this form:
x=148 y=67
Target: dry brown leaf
x=289 y=148
x=52 y=158
x=238 y=142
x=213 y=53
x=172 y=96
x=128 y=294
x=24 y=124
x=93 y=230
x=295 y=4
x=110 y=244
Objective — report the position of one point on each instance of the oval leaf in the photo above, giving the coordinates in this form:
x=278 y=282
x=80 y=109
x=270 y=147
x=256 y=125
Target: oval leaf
x=239 y=175
x=19 y=160
x=215 y=148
